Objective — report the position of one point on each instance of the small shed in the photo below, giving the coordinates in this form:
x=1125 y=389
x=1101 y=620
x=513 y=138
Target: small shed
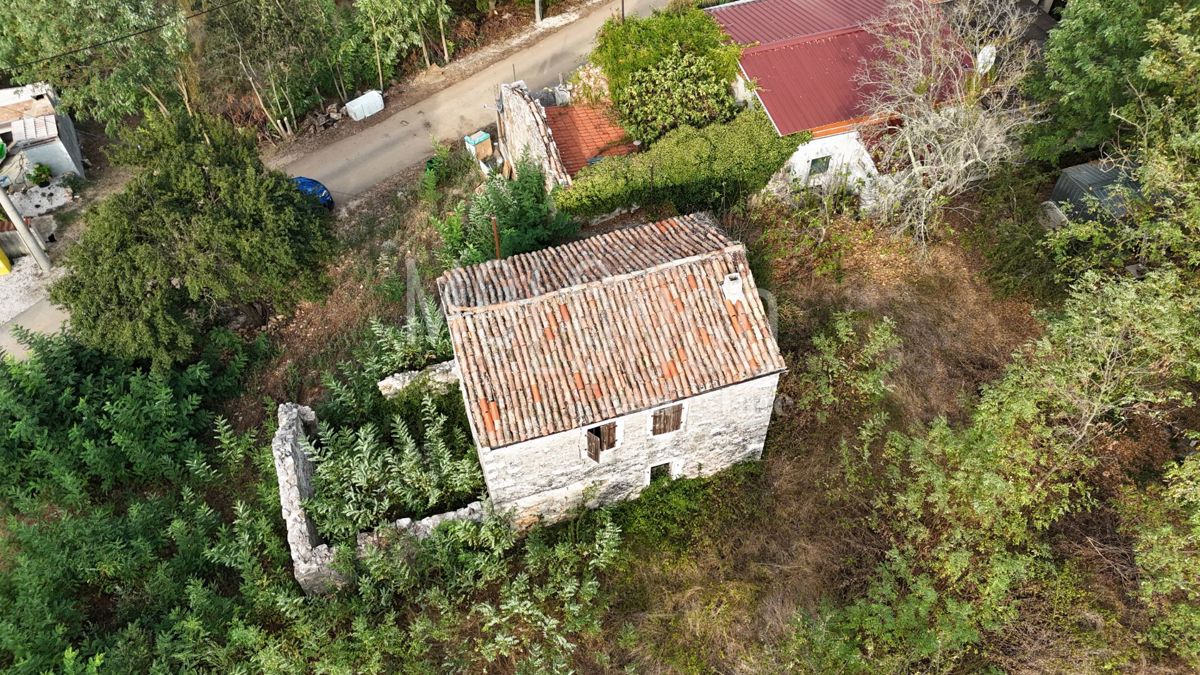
x=1094 y=190
x=36 y=132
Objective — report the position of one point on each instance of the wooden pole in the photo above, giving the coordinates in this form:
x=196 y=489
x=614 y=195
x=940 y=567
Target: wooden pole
x=27 y=237
x=496 y=236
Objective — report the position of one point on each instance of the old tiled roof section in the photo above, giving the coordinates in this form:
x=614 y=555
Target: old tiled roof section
x=583 y=132
x=589 y=331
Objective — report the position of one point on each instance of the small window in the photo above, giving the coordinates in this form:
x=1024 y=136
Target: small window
x=660 y=472
x=601 y=438
x=668 y=419
x=819 y=165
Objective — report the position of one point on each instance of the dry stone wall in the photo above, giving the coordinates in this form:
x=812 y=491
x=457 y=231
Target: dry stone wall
x=524 y=131
x=312 y=558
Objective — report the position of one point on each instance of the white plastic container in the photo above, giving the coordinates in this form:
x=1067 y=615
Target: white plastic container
x=364 y=106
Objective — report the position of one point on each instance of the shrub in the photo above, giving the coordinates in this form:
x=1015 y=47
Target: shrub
x=626 y=47
x=423 y=339
x=524 y=213
x=690 y=169
x=202 y=229
x=362 y=480
x=1164 y=523
x=680 y=90
x=966 y=510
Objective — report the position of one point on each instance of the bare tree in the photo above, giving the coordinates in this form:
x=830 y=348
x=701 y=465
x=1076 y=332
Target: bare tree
x=941 y=90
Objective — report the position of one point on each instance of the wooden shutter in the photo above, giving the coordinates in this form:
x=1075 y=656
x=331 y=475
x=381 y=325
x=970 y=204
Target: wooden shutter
x=666 y=420
x=608 y=436
x=593 y=441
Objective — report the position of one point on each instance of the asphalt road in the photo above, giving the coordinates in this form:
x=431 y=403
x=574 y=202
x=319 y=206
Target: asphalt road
x=357 y=163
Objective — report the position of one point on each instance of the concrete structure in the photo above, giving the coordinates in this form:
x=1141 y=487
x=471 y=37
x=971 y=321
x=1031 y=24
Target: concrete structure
x=591 y=367
x=36 y=133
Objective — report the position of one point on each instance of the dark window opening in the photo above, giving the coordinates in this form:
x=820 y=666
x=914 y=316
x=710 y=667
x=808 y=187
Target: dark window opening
x=666 y=420
x=601 y=438
x=660 y=472
x=819 y=165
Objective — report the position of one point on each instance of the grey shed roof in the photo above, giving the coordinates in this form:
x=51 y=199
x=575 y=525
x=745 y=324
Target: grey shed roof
x=1093 y=190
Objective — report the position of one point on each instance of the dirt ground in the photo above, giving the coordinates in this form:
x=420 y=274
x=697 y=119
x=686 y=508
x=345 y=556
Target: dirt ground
x=782 y=544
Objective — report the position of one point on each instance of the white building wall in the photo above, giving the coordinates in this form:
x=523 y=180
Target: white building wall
x=548 y=477
x=53 y=154
x=849 y=160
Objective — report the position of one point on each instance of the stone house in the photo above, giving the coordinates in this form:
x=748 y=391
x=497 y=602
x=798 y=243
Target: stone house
x=561 y=136
x=591 y=368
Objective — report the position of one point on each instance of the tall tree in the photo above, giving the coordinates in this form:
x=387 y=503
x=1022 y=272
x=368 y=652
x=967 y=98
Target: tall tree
x=203 y=230
x=942 y=91
x=1090 y=70
x=127 y=76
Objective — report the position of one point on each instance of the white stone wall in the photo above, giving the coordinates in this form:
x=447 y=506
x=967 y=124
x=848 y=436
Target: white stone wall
x=849 y=160
x=311 y=558
x=548 y=477
x=523 y=131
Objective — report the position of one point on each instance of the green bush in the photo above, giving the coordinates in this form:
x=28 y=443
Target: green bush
x=363 y=479
x=680 y=90
x=625 y=47
x=203 y=231
x=1164 y=523
x=524 y=213
x=690 y=169
x=965 y=511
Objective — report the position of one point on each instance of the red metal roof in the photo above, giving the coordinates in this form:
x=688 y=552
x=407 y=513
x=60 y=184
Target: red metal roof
x=583 y=132
x=807 y=84
x=767 y=21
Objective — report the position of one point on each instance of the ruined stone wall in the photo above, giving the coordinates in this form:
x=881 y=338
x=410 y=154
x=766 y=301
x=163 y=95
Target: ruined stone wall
x=312 y=559
x=523 y=131
x=546 y=478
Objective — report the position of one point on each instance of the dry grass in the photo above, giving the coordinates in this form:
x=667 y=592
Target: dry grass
x=718 y=606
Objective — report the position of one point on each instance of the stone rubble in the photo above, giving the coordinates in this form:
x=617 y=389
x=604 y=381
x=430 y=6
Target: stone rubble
x=440 y=376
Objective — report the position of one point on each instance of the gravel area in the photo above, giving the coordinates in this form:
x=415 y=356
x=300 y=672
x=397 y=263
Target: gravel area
x=24 y=287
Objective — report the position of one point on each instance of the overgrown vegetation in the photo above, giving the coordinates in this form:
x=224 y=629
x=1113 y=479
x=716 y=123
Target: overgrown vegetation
x=626 y=48
x=689 y=169
x=202 y=231
x=525 y=219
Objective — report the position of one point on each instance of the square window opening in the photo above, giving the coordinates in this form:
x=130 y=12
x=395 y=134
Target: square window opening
x=819 y=165
x=660 y=472
x=600 y=438
x=668 y=419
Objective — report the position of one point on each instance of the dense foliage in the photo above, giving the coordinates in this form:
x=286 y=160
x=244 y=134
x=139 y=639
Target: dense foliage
x=364 y=479
x=680 y=90
x=255 y=62
x=965 y=511
x=624 y=48
x=691 y=169
x=1160 y=155
x=525 y=219
x=203 y=229
x=1164 y=522
x=1090 y=70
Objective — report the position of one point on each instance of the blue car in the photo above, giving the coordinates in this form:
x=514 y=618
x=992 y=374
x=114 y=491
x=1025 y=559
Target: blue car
x=313 y=187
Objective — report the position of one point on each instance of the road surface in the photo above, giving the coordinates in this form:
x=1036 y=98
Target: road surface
x=357 y=163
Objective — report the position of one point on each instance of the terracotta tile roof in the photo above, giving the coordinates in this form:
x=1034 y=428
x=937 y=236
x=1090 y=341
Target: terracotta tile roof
x=583 y=132
x=577 y=334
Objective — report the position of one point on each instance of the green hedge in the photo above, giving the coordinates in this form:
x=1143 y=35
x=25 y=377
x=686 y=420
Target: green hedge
x=690 y=169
